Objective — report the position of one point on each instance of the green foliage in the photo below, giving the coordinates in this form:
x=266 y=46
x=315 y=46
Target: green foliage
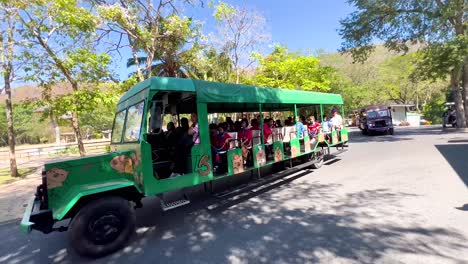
x=383 y=79
x=169 y=41
x=439 y=27
x=212 y=66
x=87 y=65
x=399 y=23
x=434 y=109
x=101 y=117
x=30 y=128
x=294 y=71
x=61 y=35
x=437 y=60
x=223 y=11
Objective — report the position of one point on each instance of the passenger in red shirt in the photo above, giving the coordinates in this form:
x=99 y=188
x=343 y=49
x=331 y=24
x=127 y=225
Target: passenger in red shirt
x=244 y=133
x=220 y=140
x=267 y=128
x=313 y=127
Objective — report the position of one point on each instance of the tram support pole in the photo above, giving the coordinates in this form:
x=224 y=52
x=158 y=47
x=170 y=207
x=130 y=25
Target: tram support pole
x=295 y=113
x=321 y=112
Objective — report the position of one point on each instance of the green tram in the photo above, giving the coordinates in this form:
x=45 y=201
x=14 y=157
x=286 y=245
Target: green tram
x=99 y=193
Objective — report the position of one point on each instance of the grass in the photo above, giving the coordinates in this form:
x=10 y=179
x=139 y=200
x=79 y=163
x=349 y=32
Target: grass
x=5 y=177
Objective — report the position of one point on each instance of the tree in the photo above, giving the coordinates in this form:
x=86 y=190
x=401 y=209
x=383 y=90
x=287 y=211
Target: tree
x=61 y=34
x=398 y=79
x=8 y=43
x=155 y=30
x=176 y=51
x=384 y=78
x=439 y=25
x=293 y=71
x=242 y=31
x=212 y=65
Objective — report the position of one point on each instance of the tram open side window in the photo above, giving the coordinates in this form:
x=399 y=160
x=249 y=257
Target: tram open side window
x=170 y=133
x=228 y=136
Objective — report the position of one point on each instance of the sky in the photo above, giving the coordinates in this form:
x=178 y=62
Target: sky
x=301 y=25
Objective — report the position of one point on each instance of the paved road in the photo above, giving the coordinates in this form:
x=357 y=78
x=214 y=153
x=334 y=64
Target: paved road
x=389 y=199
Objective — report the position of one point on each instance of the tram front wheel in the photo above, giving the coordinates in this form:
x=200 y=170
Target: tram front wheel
x=102 y=226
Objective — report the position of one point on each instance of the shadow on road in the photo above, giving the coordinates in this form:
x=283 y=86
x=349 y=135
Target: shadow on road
x=463 y=208
x=457 y=156
x=357 y=137
x=292 y=222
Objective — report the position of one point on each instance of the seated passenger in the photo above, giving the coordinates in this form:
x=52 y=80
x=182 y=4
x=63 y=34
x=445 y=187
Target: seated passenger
x=336 y=120
x=183 y=148
x=230 y=125
x=237 y=126
x=304 y=121
x=221 y=139
x=245 y=134
x=193 y=131
x=213 y=131
x=326 y=127
x=278 y=123
x=171 y=138
x=220 y=144
x=245 y=137
x=300 y=129
x=267 y=129
x=313 y=127
x=255 y=125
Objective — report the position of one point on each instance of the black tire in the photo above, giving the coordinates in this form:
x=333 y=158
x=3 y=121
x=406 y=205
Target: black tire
x=319 y=163
x=364 y=132
x=390 y=131
x=102 y=227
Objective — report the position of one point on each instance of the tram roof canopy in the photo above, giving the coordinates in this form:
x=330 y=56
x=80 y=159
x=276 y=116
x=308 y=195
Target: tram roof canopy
x=215 y=92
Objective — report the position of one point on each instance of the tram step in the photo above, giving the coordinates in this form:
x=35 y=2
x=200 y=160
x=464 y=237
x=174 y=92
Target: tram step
x=166 y=206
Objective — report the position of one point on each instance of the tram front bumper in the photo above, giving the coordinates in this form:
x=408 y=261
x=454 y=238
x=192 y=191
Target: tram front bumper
x=35 y=218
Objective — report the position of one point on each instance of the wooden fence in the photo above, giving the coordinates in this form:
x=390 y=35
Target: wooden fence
x=51 y=151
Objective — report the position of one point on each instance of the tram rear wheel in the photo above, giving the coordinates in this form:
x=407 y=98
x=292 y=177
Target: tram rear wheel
x=318 y=161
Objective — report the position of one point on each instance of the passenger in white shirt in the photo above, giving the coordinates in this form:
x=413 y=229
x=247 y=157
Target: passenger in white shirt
x=336 y=120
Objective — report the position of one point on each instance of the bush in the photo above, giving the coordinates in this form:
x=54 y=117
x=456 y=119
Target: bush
x=433 y=110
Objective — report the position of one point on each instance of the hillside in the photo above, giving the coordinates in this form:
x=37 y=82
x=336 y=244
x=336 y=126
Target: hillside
x=34 y=92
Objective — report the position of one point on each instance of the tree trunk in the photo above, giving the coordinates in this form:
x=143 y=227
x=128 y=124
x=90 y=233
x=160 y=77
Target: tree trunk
x=457 y=96
x=56 y=128
x=465 y=88
x=76 y=129
x=11 y=131
x=137 y=62
x=76 y=126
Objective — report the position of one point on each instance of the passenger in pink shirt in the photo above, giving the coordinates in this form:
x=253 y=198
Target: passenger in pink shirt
x=193 y=131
